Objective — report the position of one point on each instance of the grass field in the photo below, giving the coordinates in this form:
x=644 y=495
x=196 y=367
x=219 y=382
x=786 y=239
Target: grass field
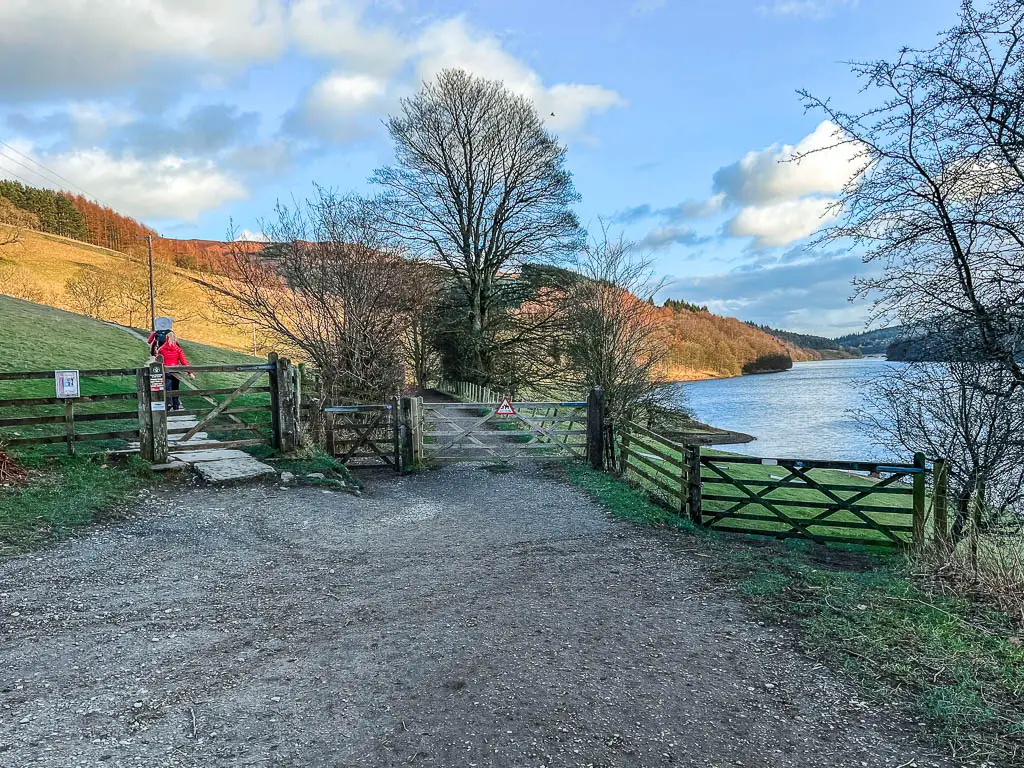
x=41 y=338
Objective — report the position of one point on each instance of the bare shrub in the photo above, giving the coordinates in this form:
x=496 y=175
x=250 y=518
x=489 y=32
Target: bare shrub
x=614 y=339
x=328 y=288
x=90 y=292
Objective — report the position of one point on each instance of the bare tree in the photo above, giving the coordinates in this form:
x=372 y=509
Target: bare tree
x=328 y=288
x=937 y=195
x=90 y=292
x=480 y=186
x=960 y=412
x=614 y=339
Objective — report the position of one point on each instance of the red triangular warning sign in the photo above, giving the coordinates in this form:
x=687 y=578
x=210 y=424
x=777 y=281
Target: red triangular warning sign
x=505 y=409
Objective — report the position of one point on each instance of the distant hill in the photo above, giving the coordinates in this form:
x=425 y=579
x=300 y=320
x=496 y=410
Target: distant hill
x=703 y=345
x=112 y=286
x=828 y=349
x=873 y=342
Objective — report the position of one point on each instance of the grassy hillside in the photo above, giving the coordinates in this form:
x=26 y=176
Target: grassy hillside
x=39 y=267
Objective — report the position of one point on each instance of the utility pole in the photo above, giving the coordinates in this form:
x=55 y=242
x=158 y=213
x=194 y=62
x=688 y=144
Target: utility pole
x=152 y=292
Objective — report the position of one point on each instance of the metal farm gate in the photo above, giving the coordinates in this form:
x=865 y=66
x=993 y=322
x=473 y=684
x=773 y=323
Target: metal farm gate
x=503 y=431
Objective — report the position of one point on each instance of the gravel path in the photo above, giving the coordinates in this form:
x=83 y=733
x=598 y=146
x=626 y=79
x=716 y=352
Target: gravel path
x=451 y=618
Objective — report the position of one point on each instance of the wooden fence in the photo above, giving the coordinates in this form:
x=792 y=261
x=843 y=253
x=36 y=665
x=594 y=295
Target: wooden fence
x=125 y=409
x=469 y=392
x=364 y=435
x=873 y=503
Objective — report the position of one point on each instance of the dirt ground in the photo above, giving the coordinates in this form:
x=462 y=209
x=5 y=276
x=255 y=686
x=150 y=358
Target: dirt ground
x=452 y=618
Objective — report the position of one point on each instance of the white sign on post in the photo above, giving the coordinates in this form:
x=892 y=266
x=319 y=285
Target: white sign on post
x=67 y=384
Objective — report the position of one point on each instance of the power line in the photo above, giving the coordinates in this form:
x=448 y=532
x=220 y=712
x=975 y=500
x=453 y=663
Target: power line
x=12 y=173
x=48 y=170
x=29 y=168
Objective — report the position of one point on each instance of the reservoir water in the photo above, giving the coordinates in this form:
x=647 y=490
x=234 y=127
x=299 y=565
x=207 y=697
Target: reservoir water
x=801 y=413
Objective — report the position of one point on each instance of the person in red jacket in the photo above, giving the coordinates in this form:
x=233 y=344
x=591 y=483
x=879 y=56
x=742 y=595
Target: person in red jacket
x=172 y=355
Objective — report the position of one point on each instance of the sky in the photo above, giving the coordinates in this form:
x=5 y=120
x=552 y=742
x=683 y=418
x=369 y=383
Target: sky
x=678 y=115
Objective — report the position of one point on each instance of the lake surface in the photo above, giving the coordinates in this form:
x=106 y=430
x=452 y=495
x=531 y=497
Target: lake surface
x=801 y=413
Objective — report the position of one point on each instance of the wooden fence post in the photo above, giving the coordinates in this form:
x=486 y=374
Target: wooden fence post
x=919 y=501
x=145 y=421
x=158 y=412
x=417 y=431
x=396 y=423
x=940 y=500
x=595 y=428
x=275 y=401
x=693 y=484
x=69 y=425
x=282 y=393
x=408 y=454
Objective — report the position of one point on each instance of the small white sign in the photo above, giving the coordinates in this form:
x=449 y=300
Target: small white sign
x=770 y=462
x=162 y=324
x=67 y=384
x=157 y=405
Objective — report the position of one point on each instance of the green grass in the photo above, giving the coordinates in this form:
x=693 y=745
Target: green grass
x=622 y=500
x=64 y=494
x=865 y=611
x=949 y=658
x=316 y=461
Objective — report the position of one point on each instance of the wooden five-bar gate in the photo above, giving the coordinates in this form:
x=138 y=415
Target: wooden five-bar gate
x=872 y=503
x=410 y=432
x=125 y=410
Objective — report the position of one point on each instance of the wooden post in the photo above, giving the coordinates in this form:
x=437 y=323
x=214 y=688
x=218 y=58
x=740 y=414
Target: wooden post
x=69 y=425
x=595 y=428
x=417 y=431
x=940 y=501
x=282 y=393
x=919 y=501
x=396 y=423
x=275 y=401
x=623 y=450
x=693 y=484
x=145 y=420
x=158 y=413
x=408 y=454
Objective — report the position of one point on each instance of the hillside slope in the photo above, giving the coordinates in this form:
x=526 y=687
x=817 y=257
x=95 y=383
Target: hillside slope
x=39 y=267
x=702 y=345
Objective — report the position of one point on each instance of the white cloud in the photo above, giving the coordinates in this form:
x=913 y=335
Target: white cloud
x=248 y=236
x=167 y=187
x=773 y=174
x=454 y=44
x=781 y=223
x=816 y=9
x=89 y=45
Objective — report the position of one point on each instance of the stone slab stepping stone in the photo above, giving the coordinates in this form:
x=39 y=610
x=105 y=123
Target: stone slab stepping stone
x=210 y=454
x=233 y=470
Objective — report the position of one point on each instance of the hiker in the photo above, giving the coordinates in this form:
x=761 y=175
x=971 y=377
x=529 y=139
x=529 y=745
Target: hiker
x=157 y=339
x=172 y=355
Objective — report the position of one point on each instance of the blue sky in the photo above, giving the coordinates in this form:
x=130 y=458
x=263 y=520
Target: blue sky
x=190 y=113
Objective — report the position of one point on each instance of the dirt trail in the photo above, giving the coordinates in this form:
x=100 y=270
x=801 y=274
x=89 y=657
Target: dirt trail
x=451 y=618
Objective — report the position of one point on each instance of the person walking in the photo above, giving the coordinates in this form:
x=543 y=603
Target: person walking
x=172 y=355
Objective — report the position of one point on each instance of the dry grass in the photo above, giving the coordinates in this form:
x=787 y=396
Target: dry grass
x=37 y=268
x=11 y=473
x=985 y=567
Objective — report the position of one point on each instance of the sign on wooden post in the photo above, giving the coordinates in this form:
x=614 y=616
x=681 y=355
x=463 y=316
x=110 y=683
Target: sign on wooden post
x=67 y=384
x=158 y=414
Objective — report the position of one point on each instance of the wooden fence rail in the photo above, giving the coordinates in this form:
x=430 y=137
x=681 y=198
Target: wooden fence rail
x=870 y=503
x=230 y=408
